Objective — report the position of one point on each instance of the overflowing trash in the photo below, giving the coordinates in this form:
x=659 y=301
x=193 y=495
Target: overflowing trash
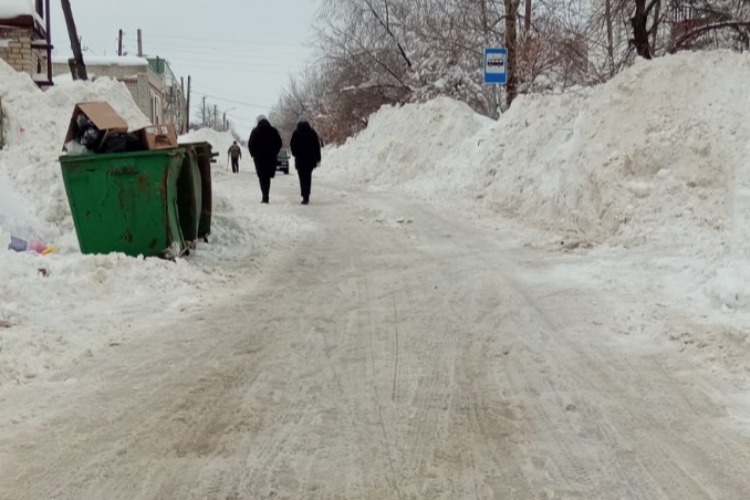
x=96 y=128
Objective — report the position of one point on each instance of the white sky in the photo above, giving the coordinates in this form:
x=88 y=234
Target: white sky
x=240 y=54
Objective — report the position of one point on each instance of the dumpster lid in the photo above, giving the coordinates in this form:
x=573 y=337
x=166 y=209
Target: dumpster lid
x=101 y=114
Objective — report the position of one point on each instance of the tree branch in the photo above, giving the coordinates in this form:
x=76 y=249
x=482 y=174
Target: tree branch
x=690 y=35
x=387 y=28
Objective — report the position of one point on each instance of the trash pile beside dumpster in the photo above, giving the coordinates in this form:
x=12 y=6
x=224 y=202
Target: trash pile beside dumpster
x=139 y=192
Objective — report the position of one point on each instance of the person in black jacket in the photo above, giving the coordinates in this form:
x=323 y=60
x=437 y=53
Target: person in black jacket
x=305 y=146
x=264 y=145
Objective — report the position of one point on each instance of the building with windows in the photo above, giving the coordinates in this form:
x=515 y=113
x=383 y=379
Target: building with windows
x=151 y=82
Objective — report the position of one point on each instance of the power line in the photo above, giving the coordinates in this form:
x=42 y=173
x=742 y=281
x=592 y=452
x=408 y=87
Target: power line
x=221 y=62
x=230 y=60
x=212 y=49
x=228 y=69
x=235 y=41
x=210 y=88
x=240 y=103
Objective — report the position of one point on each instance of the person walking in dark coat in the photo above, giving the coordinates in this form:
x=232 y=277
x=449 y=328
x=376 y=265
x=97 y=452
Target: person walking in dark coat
x=305 y=146
x=264 y=145
x=235 y=153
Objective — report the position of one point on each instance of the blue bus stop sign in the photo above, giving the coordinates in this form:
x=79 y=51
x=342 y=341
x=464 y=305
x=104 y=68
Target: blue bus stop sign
x=495 y=65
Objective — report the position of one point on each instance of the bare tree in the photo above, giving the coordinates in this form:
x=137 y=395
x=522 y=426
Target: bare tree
x=511 y=42
x=377 y=52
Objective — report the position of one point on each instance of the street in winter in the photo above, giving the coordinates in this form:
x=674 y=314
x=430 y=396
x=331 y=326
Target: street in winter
x=542 y=297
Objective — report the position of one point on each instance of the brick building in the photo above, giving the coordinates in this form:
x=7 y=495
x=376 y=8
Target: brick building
x=24 y=38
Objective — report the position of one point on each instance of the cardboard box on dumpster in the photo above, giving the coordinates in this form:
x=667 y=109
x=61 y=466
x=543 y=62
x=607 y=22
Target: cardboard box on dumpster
x=102 y=115
x=158 y=136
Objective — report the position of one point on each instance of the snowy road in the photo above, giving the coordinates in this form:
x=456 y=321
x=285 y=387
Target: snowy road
x=399 y=352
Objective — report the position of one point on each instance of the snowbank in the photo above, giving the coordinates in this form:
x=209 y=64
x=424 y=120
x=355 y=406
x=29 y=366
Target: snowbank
x=657 y=156
x=654 y=153
x=417 y=144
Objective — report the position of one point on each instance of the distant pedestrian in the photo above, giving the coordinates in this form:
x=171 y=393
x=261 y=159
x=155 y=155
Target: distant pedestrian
x=305 y=146
x=264 y=145
x=235 y=153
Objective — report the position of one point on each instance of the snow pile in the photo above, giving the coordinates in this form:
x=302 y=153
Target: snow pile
x=648 y=155
x=414 y=143
x=655 y=153
x=657 y=156
x=220 y=142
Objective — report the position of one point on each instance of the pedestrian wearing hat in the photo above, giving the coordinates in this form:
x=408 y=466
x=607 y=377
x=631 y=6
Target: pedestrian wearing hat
x=264 y=145
x=305 y=145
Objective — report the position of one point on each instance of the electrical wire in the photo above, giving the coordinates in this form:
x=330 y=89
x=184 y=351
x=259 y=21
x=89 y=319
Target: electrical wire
x=235 y=41
x=239 y=103
x=203 y=88
x=214 y=50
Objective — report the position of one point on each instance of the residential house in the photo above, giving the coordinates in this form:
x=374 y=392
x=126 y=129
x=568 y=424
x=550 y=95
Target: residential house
x=154 y=91
x=174 y=103
x=25 y=38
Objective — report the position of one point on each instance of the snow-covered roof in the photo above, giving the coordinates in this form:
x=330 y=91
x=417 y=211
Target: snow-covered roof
x=104 y=60
x=14 y=8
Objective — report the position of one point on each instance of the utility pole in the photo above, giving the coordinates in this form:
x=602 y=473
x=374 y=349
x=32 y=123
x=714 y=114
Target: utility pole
x=119 y=43
x=204 y=113
x=48 y=20
x=140 y=43
x=77 y=67
x=181 y=100
x=187 y=111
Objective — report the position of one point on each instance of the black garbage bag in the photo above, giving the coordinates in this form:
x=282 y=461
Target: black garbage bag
x=86 y=133
x=121 y=143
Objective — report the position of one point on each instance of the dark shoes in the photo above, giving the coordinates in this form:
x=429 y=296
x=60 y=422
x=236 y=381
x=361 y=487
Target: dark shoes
x=264 y=200
x=305 y=201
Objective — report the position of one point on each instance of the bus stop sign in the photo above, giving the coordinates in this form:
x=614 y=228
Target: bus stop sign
x=495 y=65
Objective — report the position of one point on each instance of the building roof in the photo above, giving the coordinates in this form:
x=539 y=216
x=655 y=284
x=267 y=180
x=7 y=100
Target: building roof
x=104 y=60
x=20 y=13
x=10 y=9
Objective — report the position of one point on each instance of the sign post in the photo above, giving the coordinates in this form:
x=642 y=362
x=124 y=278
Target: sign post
x=496 y=70
x=495 y=65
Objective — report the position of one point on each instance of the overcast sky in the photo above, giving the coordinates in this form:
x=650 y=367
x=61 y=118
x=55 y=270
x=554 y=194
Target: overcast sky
x=240 y=53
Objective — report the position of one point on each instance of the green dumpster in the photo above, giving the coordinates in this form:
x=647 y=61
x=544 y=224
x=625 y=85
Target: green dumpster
x=189 y=195
x=126 y=202
x=205 y=157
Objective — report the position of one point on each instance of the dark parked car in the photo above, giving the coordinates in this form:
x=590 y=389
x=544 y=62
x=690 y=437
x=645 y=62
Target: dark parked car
x=282 y=161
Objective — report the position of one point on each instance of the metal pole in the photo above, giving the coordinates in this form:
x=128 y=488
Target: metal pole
x=75 y=44
x=187 y=111
x=48 y=19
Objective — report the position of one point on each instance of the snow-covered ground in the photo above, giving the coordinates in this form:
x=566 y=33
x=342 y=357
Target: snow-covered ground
x=640 y=185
